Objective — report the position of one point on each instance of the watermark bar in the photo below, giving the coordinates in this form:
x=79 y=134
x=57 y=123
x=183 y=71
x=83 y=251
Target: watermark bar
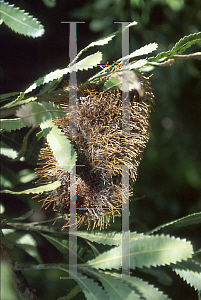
x=125 y=222
x=125 y=170
x=73 y=132
x=125 y=80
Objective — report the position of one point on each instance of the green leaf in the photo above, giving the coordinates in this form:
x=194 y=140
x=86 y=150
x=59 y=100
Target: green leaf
x=15 y=101
x=19 y=21
x=143 y=288
x=34 y=113
x=147 y=251
x=37 y=190
x=61 y=147
x=103 y=41
x=90 y=288
x=25 y=216
x=11 y=124
x=87 y=63
x=182 y=222
x=72 y=293
x=179 y=47
x=141 y=51
x=62 y=246
x=107 y=238
x=115 y=287
x=190 y=272
x=29 y=245
x=50 y=3
x=34 y=148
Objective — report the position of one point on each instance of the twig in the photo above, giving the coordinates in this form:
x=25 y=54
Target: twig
x=186 y=56
x=34 y=227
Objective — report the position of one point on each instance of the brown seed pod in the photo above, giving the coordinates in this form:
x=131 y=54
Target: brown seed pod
x=102 y=149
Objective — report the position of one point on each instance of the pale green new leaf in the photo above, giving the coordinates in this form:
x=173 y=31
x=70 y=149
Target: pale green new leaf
x=37 y=190
x=11 y=124
x=19 y=21
x=143 y=288
x=61 y=147
x=34 y=113
x=182 y=222
x=87 y=63
x=141 y=51
x=190 y=272
x=147 y=251
x=107 y=238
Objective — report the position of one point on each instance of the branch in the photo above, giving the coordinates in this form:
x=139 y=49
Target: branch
x=196 y=55
x=21 y=285
x=34 y=227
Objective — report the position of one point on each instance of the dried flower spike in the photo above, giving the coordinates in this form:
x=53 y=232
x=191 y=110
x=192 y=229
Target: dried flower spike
x=102 y=149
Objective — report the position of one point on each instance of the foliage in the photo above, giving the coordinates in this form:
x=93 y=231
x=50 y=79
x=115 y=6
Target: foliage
x=99 y=253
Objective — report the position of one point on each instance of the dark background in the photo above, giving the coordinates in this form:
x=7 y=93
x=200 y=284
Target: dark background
x=169 y=176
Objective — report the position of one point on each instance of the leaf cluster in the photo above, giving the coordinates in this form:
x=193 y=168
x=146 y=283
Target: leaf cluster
x=100 y=265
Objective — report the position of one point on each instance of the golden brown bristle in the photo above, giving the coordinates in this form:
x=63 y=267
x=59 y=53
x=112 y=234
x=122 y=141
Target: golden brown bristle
x=101 y=148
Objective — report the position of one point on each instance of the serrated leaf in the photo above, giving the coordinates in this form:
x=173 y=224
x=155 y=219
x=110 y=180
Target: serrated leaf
x=115 y=287
x=150 y=251
x=138 y=64
x=61 y=147
x=182 y=222
x=11 y=124
x=190 y=272
x=20 y=21
x=90 y=288
x=179 y=47
x=34 y=113
x=141 y=51
x=87 y=63
x=107 y=238
x=37 y=190
x=103 y=41
x=82 y=252
x=143 y=288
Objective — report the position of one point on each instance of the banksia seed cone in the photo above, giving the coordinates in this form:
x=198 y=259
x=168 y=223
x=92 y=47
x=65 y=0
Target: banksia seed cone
x=101 y=148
